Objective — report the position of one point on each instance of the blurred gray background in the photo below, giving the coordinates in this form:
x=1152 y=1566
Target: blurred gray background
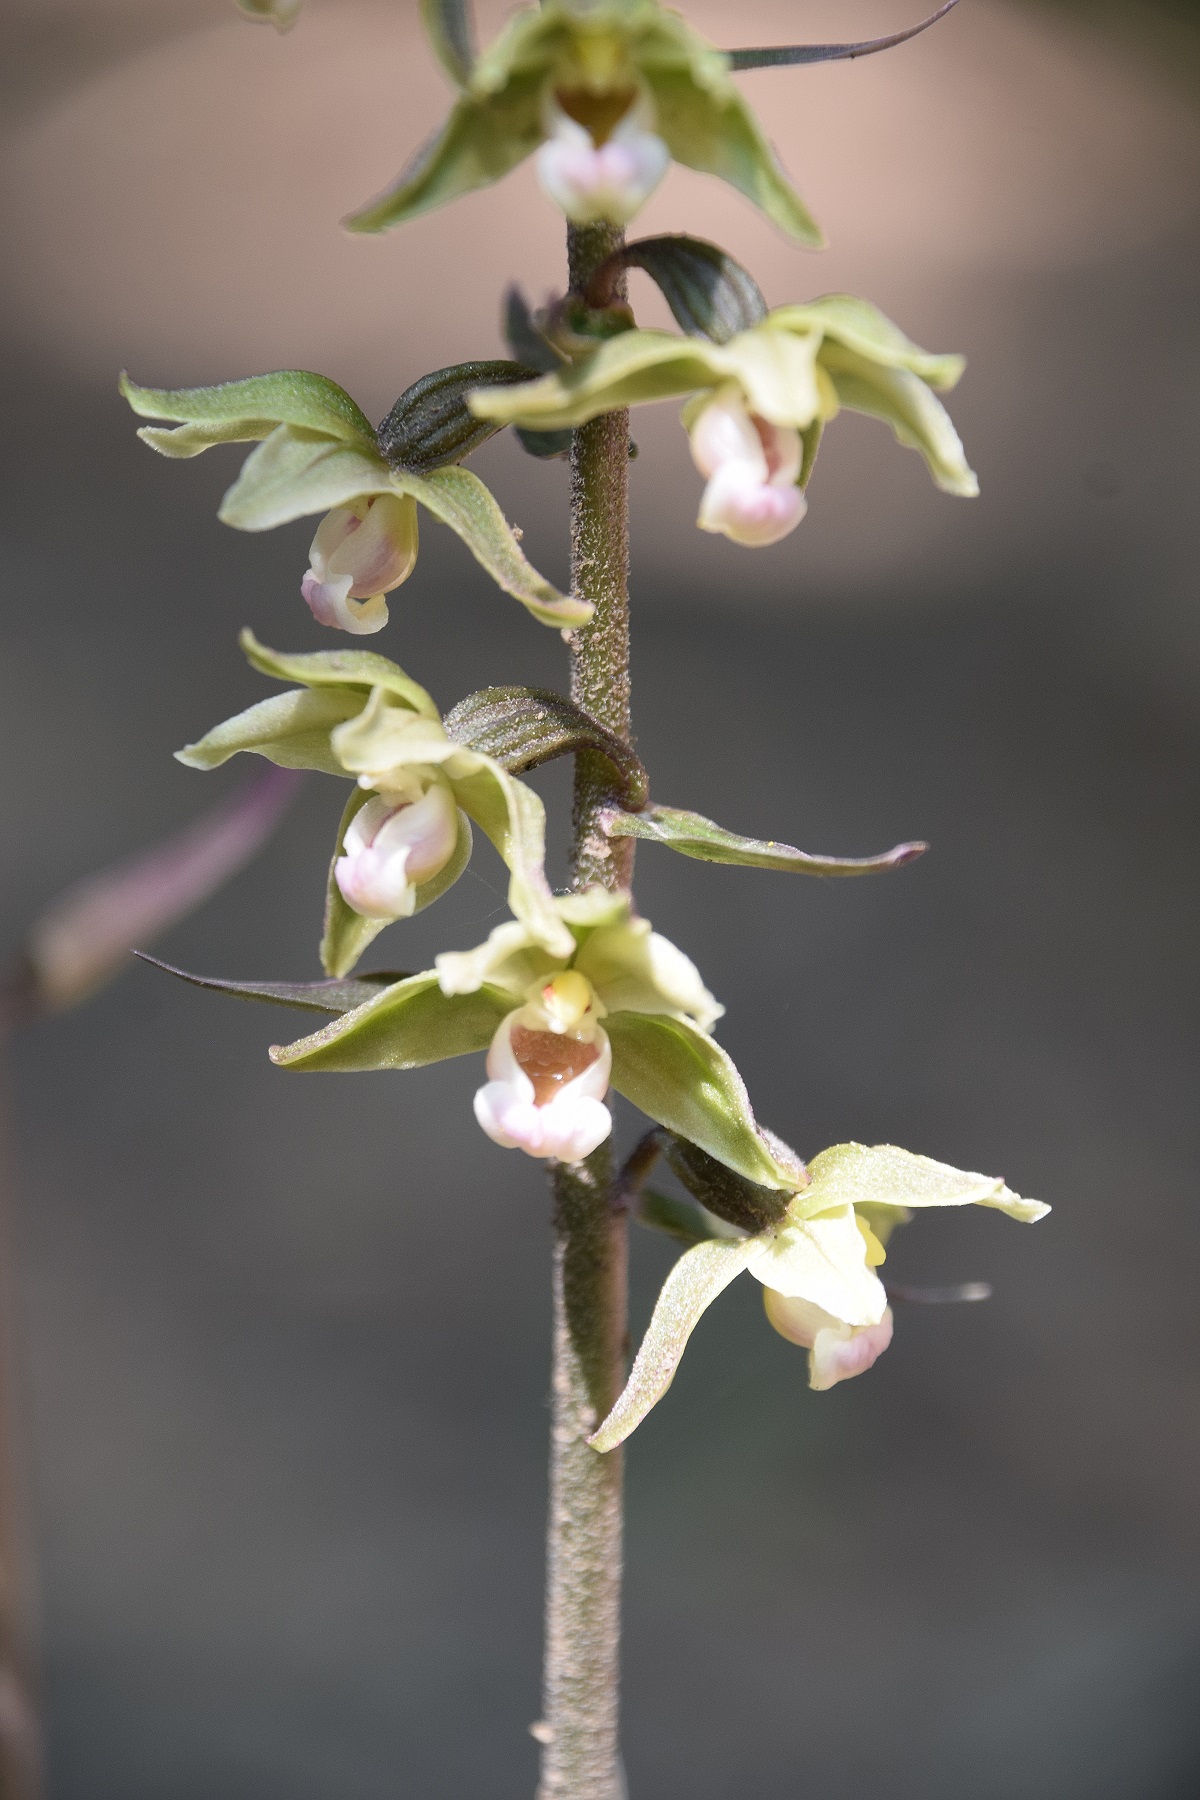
x=282 y=1341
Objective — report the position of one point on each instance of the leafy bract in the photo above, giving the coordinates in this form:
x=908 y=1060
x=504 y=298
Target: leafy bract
x=410 y=1024
x=699 y=1276
x=692 y=835
x=305 y=996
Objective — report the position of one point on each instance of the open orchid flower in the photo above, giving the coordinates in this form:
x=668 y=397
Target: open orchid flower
x=619 y=1005
x=405 y=835
x=360 y=553
x=761 y=400
x=817 y=1264
x=753 y=468
x=598 y=163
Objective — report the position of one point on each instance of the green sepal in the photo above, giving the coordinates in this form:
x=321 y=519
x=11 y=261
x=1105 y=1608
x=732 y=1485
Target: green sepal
x=347 y=934
x=635 y=367
x=789 y=55
x=693 y=1284
x=884 y=1176
x=405 y=1027
x=858 y=325
x=682 y=1078
x=249 y=409
x=291 y=729
x=523 y=727
x=460 y=500
x=431 y=425
x=692 y=835
x=914 y=412
x=306 y=996
x=448 y=28
x=709 y=293
x=361 y=669
x=524 y=337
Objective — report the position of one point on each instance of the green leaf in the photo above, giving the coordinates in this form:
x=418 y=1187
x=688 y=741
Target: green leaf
x=460 y=500
x=689 y=1290
x=448 y=27
x=915 y=414
x=347 y=933
x=710 y=294
x=523 y=727
x=290 y=729
x=307 y=996
x=431 y=425
x=364 y=669
x=252 y=409
x=788 y=55
x=681 y=1077
x=855 y=1174
x=405 y=1027
x=693 y=835
x=295 y=473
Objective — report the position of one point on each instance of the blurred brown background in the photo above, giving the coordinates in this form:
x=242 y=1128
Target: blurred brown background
x=283 y=1341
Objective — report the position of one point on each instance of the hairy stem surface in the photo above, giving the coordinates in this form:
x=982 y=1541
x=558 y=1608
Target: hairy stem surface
x=581 y=1757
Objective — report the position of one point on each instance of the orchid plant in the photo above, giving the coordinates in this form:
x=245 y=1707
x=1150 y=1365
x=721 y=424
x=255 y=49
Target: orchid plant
x=576 y=995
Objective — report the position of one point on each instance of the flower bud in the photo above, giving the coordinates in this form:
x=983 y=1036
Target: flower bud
x=600 y=161
x=359 y=554
x=836 y=1351
x=392 y=846
x=548 y=1069
x=752 y=468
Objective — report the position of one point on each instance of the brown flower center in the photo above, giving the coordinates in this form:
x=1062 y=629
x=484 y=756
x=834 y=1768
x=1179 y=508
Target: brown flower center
x=550 y=1059
x=600 y=114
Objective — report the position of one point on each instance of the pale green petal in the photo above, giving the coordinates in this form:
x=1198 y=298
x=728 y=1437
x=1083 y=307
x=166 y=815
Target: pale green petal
x=777 y=372
x=694 y=1283
x=682 y=1078
x=482 y=140
x=383 y=736
x=633 y=968
x=823 y=1260
x=513 y=817
x=287 y=397
x=347 y=933
x=295 y=473
x=364 y=669
x=510 y=961
x=913 y=411
x=410 y=1024
x=636 y=366
x=855 y=1174
x=190 y=440
x=290 y=729
x=861 y=327
x=460 y=500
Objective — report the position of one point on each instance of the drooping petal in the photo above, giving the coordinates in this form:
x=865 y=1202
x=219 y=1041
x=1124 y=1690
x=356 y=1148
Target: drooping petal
x=390 y=850
x=823 y=1261
x=568 y=1124
x=749 y=511
x=836 y=1351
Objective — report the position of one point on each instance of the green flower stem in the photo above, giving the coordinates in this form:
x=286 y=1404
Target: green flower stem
x=581 y=1756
